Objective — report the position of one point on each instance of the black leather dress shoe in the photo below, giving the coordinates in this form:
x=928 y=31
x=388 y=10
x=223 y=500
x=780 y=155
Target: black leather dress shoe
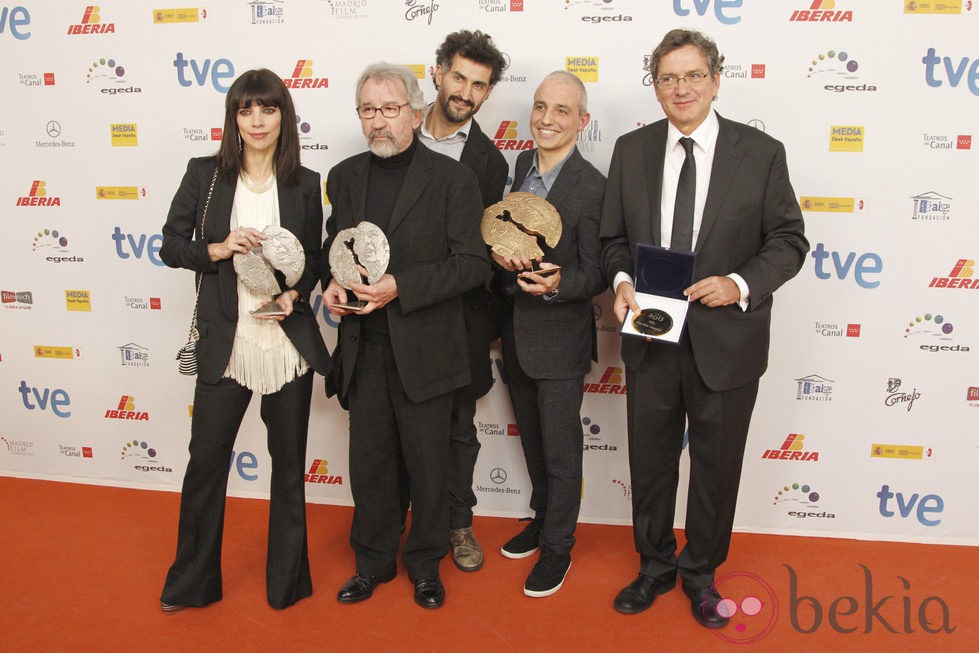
x=640 y=593
x=170 y=608
x=360 y=587
x=703 y=604
x=429 y=593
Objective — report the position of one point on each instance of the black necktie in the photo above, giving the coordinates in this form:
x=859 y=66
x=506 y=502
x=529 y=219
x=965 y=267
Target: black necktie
x=686 y=191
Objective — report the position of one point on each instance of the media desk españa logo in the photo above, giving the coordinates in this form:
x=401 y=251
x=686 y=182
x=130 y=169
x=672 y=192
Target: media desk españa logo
x=939 y=7
x=319 y=474
x=91 y=23
x=792 y=449
x=267 y=12
x=184 y=15
x=123 y=134
x=846 y=138
x=584 y=68
x=303 y=78
x=814 y=388
x=38 y=195
x=134 y=355
x=822 y=11
x=78 y=301
x=962 y=275
x=931 y=207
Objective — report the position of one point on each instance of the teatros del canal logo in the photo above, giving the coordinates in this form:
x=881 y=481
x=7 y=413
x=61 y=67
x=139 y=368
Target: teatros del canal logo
x=35 y=79
x=92 y=23
x=204 y=135
x=127 y=410
x=837 y=330
x=142 y=303
x=319 y=473
x=822 y=11
x=962 y=275
x=38 y=196
x=814 y=388
x=267 y=12
x=506 y=137
x=75 y=452
x=894 y=395
x=931 y=207
x=303 y=77
x=947 y=141
x=499 y=6
x=792 y=449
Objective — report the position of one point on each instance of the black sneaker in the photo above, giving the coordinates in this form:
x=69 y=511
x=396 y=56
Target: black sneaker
x=525 y=543
x=548 y=574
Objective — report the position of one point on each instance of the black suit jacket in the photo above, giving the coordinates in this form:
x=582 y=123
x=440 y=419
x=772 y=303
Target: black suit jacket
x=481 y=156
x=752 y=225
x=437 y=254
x=300 y=211
x=554 y=339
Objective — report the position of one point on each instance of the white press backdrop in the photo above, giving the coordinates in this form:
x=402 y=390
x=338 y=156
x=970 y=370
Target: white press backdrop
x=866 y=422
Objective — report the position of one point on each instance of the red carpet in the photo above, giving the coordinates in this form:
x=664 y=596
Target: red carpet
x=82 y=567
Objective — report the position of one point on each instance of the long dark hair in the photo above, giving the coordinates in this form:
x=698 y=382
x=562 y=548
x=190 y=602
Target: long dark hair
x=264 y=88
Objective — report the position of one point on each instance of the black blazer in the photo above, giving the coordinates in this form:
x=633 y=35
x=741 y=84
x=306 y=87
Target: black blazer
x=481 y=156
x=554 y=339
x=300 y=211
x=752 y=225
x=437 y=254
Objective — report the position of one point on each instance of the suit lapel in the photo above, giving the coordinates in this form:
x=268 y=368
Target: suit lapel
x=566 y=182
x=288 y=206
x=417 y=179
x=520 y=171
x=358 y=190
x=474 y=151
x=727 y=160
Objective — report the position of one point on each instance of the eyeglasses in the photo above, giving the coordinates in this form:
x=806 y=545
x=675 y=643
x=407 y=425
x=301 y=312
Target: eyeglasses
x=692 y=79
x=367 y=112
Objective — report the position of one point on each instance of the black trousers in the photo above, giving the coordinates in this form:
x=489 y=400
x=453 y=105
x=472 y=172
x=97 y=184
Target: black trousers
x=194 y=578
x=665 y=390
x=392 y=438
x=548 y=413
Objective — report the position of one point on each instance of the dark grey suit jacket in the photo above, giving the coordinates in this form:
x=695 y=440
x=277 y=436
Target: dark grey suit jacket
x=554 y=339
x=437 y=254
x=752 y=225
x=481 y=156
x=300 y=211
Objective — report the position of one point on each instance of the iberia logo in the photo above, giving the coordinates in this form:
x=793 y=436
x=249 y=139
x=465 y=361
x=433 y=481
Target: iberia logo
x=127 y=410
x=792 y=449
x=302 y=76
x=92 y=23
x=822 y=11
x=961 y=276
x=38 y=196
x=319 y=473
x=612 y=382
x=506 y=137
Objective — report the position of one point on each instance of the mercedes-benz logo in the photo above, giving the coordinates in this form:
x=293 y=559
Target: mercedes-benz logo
x=53 y=128
x=757 y=124
x=498 y=475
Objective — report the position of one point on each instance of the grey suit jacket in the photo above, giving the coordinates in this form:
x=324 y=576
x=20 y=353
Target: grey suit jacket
x=437 y=254
x=300 y=211
x=752 y=225
x=554 y=339
x=481 y=156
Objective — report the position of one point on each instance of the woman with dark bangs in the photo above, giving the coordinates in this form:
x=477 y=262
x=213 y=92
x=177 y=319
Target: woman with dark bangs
x=226 y=206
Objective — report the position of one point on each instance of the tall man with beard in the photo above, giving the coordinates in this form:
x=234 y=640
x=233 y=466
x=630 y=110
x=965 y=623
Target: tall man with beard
x=403 y=355
x=468 y=66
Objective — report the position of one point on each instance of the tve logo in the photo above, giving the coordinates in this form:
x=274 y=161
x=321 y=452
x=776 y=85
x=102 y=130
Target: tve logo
x=17 y=18
x=926 y=505
x=954 y=72
x=220 y=70
x=57 y=398
x=862 y=266
x=137 y=244
x=701 y=6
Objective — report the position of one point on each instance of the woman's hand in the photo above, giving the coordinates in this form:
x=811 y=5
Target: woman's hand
x=239 y=241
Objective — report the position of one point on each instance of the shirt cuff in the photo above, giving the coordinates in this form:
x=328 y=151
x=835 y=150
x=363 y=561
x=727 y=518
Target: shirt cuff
x=743 y=288
x=619 y=278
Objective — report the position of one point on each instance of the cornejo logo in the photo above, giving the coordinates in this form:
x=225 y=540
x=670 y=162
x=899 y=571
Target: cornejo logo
x=421 y=9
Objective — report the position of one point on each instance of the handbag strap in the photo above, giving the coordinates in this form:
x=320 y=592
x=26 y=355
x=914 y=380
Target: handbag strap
x=200 y=275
